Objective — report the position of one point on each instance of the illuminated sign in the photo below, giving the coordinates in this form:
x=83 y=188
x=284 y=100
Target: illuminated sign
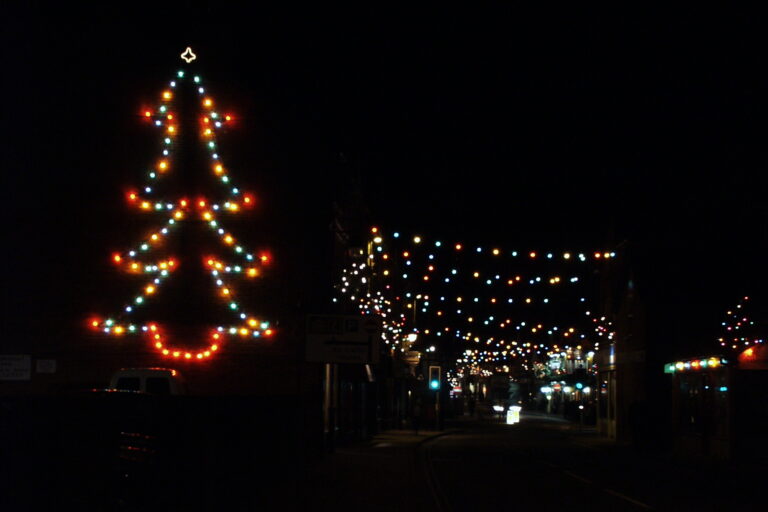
x=513 y=414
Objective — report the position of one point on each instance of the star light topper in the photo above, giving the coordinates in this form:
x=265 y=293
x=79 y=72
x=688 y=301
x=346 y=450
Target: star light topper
x=188 y=55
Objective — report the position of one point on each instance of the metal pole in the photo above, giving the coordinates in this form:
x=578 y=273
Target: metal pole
x=326 y=403
x=332 y=380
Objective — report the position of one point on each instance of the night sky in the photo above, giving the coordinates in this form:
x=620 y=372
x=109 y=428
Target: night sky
x=542 y=130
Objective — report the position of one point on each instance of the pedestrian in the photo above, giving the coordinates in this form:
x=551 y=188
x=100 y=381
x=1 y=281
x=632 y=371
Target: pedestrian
x=416 y=415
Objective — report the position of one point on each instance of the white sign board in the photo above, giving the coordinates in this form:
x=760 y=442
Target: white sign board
x=343 y=339
x=513 y=415
x=15 y=367
x=45 y=366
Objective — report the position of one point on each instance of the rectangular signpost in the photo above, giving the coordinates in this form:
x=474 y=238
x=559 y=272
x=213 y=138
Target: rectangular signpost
x=340 y=339
x=343 y=339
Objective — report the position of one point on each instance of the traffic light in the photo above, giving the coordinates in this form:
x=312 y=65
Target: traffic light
x=434 y=377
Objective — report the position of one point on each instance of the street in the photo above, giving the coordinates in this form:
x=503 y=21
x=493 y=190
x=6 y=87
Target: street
x=540 y=463
x=230 y=459
x=543 y=463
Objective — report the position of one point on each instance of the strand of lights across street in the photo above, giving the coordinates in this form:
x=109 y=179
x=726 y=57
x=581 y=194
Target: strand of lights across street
x=505 y=304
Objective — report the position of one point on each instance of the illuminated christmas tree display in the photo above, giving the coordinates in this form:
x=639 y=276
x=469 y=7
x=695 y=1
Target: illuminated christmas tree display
x=174 y=214
x=491 y=307
x=740 y=331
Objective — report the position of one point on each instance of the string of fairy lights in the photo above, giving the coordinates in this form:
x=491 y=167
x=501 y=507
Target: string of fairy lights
x=175 y=214
x=497 y=306
x=740 y=330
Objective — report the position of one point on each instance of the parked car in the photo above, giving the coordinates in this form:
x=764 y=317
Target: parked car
x=156 y=381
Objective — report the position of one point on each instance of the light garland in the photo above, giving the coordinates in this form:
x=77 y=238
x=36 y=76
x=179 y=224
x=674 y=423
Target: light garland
x=741 y=330
x=507 y=301
x=177 y=212
x=701 y=364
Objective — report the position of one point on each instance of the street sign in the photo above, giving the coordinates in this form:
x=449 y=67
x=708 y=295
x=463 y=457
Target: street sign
x=15 y=367
x=45 y=366
x=343 y=339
